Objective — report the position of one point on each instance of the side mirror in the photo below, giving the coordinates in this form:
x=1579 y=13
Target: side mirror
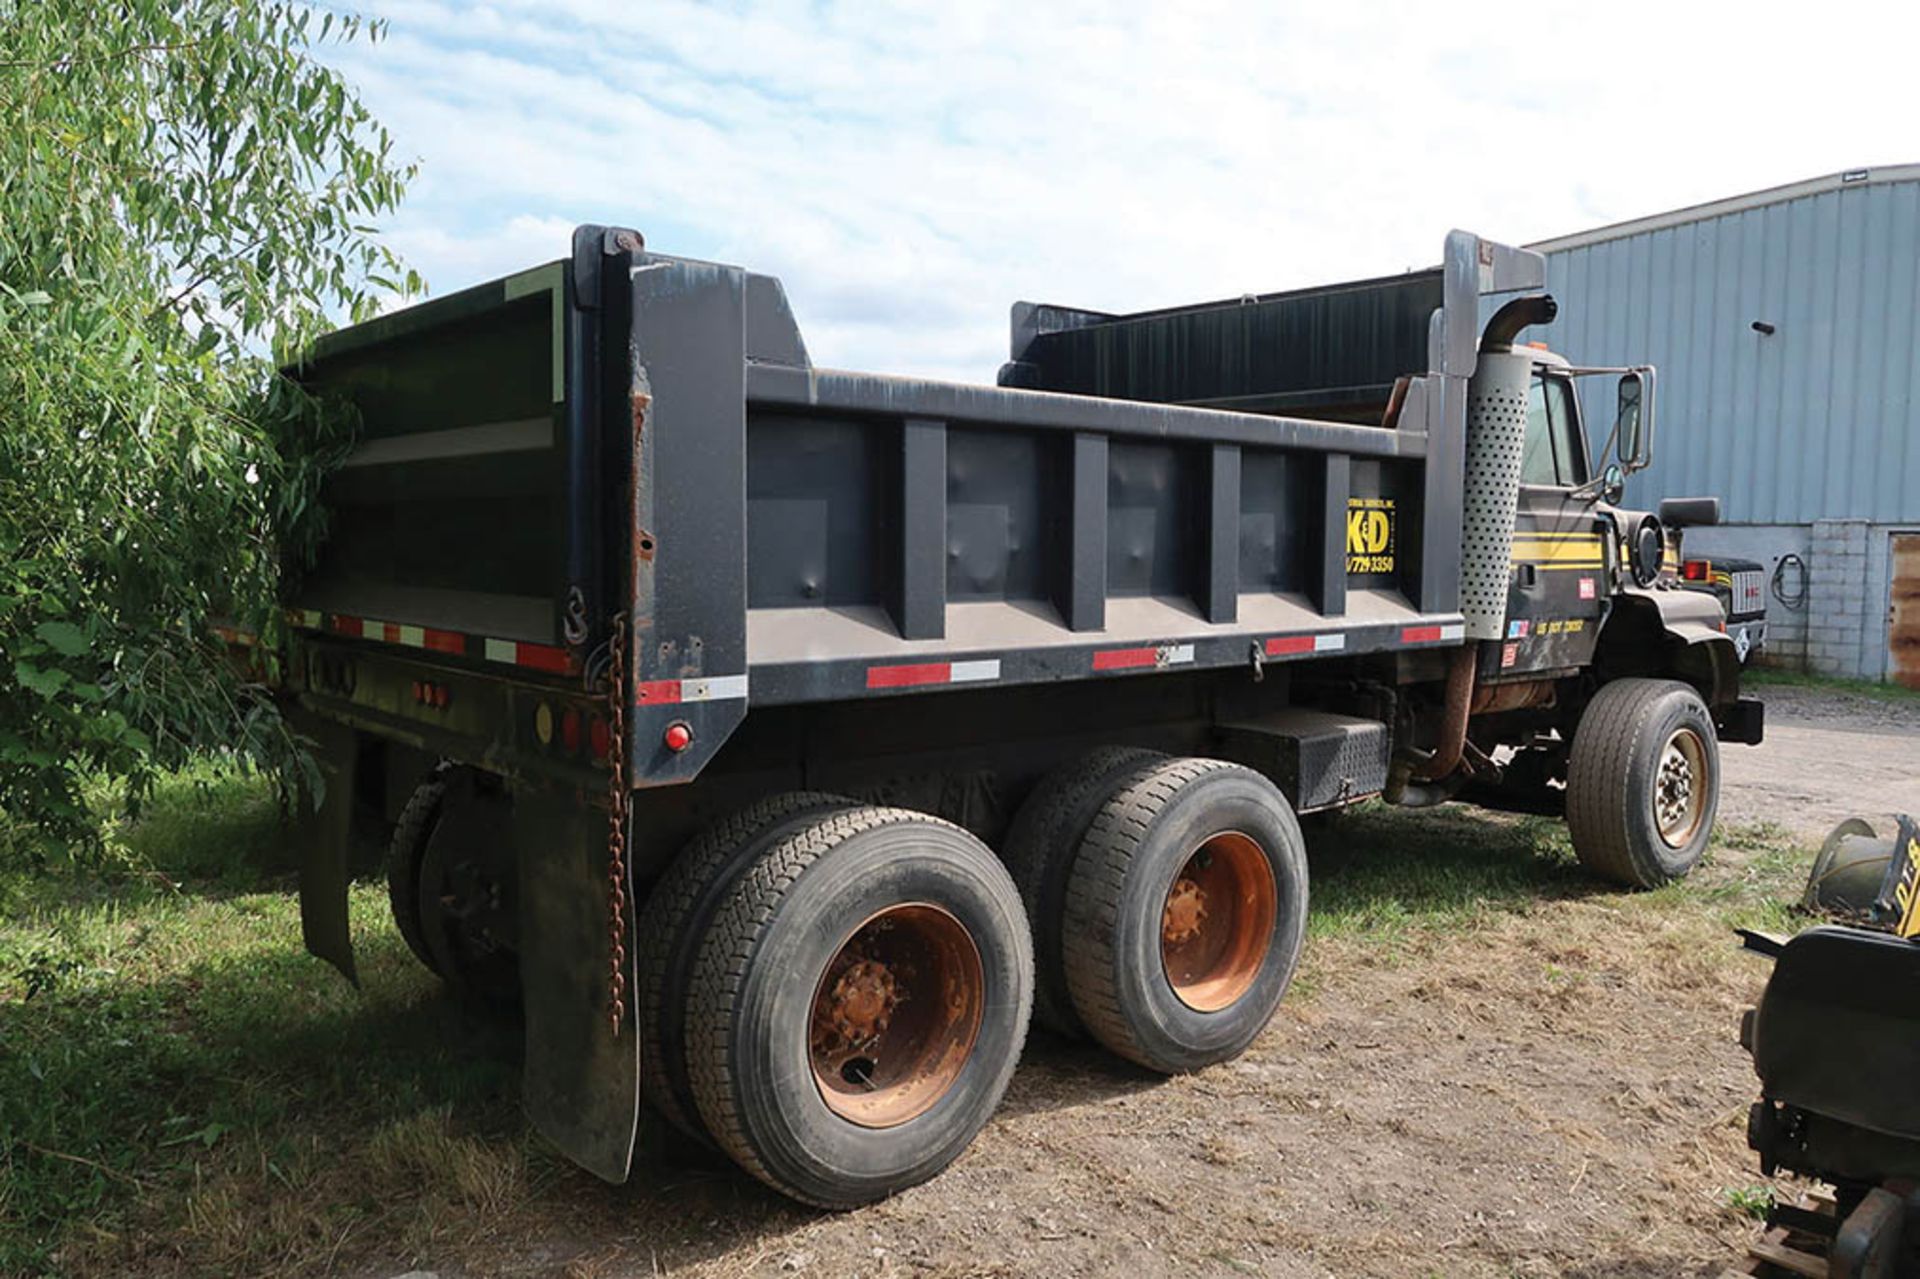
x=1630 y=420
x=1613 y=484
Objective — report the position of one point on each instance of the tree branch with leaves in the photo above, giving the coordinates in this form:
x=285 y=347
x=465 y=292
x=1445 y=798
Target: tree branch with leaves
x=191 y=196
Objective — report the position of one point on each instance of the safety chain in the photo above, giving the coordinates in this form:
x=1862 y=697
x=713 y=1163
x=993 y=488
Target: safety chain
x=617 y=825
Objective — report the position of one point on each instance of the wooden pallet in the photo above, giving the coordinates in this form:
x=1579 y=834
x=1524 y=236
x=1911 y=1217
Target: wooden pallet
x=1779 y=1252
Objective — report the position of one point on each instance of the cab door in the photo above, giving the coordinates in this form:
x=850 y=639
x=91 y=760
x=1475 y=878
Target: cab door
x=1558 y=590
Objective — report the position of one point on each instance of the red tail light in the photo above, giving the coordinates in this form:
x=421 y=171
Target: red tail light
x=1697 y=570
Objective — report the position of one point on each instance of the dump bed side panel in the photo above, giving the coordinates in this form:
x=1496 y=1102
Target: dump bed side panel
x=904 y=535
x=805 y=535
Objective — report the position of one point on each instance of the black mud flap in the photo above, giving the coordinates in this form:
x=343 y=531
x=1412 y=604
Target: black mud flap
x=323 y=840
x=582 y=1082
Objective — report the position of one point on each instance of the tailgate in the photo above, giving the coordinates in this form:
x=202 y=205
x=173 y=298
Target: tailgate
x=458 y=523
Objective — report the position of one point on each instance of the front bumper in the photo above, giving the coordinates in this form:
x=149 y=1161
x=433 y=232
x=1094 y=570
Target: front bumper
x=1747 y=636
x=1745 y=722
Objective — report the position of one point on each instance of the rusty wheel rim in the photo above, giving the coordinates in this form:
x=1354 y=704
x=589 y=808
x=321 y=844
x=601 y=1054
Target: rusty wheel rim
x=1217 y=923
x=895 y=1015
x=1680 y=788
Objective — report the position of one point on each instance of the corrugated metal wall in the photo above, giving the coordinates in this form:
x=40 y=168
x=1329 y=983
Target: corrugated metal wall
x=1818 y=420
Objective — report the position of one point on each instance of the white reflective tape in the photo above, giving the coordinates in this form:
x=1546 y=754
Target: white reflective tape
x=970 y=672
x=1175 y=654
x=1456 y=631
x=413 y=637
x=714 y=688
x=307 y=617
x=502 y=651
x=1329 y=643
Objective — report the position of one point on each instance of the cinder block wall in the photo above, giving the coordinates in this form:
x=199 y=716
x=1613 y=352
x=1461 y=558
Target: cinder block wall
x=1838 y=621
x=1840 y=628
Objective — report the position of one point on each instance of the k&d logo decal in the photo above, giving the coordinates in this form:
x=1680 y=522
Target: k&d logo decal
x=1369 y=535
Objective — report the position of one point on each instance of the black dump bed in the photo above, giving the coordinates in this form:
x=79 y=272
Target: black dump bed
x=629 y=437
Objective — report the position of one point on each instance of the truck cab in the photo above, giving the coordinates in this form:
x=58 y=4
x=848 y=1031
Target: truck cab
x=1574 y=549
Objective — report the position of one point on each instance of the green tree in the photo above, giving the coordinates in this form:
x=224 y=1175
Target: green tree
x=187 y=196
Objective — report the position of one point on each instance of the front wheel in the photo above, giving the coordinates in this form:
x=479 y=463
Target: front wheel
x=1643 y=782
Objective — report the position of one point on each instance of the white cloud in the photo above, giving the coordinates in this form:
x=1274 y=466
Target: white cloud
x=910 y=169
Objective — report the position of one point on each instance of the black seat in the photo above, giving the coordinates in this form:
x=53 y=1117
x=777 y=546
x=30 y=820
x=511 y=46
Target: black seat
x=1837 y=1032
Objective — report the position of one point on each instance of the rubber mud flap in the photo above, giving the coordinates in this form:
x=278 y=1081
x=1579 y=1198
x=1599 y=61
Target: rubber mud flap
x=323 y=840
x=582 y=1082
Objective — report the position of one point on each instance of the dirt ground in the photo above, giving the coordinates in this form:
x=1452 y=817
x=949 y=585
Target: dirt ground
x=1829 y=755
x=1548 y=1087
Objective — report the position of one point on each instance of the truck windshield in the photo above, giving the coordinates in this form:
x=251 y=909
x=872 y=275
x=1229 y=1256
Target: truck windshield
x=1552 y=456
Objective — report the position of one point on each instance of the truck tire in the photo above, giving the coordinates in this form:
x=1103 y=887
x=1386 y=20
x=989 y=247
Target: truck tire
x=859 y=1004
x=1185 y=914
x=669 y=930
x=1039 y=851
x=465 y=885
x=1643 y=782
x=405 y=851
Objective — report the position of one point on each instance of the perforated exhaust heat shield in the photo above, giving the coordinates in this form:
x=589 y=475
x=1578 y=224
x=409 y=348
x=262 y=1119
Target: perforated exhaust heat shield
x=1496 y=432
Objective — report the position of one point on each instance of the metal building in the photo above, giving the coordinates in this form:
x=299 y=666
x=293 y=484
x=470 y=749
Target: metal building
x=1785 y=325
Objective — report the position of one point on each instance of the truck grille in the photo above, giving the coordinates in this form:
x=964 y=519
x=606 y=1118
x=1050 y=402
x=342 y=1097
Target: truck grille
x=1749 y=592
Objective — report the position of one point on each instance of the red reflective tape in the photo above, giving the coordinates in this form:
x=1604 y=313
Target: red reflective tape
x=1420 y=635
x=346 y=625
x=1283 y=645
x=542 y=657
x=909 y=676
x=392 y=632
x=1122 y=659
x=657 y=692
x=444 y=641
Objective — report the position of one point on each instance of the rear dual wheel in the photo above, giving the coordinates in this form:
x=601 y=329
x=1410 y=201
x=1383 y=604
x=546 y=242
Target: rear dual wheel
x=674 y=922
x=1185 y=913
x=858 y=1004
x=1039 y=852
x=450 y=883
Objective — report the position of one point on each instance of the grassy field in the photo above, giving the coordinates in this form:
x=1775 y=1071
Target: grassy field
x=182 y=1087
x=183 y=1090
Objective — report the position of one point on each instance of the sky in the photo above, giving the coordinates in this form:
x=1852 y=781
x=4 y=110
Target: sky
x=909 y=170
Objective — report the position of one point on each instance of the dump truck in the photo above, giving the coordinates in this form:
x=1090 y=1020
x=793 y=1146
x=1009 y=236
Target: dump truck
x=782 y=739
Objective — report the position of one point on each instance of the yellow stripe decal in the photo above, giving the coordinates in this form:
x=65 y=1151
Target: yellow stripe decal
x=1562 y=554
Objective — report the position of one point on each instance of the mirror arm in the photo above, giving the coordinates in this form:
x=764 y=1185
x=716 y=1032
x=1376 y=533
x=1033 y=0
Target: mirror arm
x=1649 y=420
